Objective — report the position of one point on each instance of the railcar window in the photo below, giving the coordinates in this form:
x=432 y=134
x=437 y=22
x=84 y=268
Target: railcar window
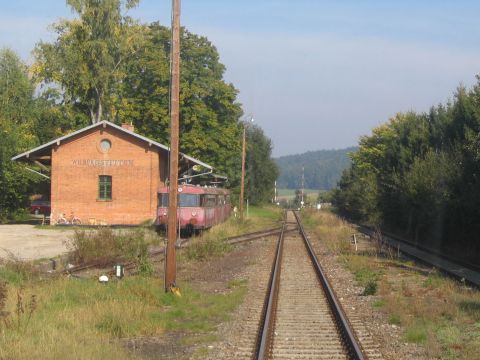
x=209 y=200
x=163 y=200
x=184 y=200
x=189 y=200
x=221 y=200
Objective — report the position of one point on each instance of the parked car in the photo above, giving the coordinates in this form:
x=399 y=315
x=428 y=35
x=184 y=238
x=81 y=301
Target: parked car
x=40 y=207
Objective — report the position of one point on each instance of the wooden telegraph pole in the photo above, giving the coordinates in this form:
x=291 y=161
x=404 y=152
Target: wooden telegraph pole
x=242 y=182
x=170 y=256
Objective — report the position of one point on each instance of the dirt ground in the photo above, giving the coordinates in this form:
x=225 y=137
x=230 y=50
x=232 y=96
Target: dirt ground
x=29 y=242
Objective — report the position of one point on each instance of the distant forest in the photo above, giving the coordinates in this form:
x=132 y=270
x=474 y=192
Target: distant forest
x=323 y=168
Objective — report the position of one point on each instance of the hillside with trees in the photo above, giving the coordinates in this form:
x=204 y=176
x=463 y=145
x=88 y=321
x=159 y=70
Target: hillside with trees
x=323 y=168
x=418 y=175
x=104 y=65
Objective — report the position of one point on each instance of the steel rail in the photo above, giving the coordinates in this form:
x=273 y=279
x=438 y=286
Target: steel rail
x=264 y=340
x=351 y=343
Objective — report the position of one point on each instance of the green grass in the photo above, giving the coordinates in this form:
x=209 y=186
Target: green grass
x=394 y=319
x=379 y=303
x=269 y=213
x=416 y=333
x=291 y=192
x=83 y=317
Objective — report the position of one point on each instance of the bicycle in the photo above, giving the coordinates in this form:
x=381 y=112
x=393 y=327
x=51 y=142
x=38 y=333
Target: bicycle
x=72 y=220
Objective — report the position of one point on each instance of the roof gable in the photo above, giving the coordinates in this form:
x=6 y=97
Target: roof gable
x=104 y=124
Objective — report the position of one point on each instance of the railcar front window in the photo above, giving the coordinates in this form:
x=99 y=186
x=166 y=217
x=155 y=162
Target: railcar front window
x=184 y=200
x=189 y=200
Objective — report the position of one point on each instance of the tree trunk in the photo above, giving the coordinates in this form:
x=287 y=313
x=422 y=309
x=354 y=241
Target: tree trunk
x=96 y=114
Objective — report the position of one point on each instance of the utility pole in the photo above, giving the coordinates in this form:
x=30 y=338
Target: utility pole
x=242 y=182
x=275 y=191
x=170 y=256
x=303 y=184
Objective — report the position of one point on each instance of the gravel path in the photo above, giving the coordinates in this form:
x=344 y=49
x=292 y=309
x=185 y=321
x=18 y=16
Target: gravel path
x=27 y=242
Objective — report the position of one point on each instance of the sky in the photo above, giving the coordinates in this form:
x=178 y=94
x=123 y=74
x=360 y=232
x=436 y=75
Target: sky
x=314 y=74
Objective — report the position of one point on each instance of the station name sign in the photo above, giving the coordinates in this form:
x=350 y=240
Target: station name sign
x=102 y=163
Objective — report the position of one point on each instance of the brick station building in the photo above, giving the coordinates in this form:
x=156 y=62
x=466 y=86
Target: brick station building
x=105 y=174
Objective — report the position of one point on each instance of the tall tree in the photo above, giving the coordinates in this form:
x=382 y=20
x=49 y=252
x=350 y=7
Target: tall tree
x=88 y=57
x=209 y=111
x=16 y=122
x=262 y=171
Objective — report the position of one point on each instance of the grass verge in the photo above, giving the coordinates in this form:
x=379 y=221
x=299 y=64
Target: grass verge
x=84 y=319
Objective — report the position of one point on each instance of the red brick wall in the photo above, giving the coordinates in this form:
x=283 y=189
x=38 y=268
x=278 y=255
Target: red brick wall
x=135 y=169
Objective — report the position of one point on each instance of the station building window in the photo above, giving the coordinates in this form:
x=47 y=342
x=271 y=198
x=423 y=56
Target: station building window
x=105 y=187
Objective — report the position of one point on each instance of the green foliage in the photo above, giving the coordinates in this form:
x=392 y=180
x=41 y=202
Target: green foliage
x=370 y=288
x=105 y=245
x=16 y=131
x=418 y=175
x=88 y=57
x=209 y=112
x=322 y=168
x=261 y=170
x=416 y=333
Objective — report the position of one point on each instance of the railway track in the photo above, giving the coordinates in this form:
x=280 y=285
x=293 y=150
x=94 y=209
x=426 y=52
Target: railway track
x=302 y=318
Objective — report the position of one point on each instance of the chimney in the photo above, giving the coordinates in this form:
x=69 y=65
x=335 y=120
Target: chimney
x=128 y=127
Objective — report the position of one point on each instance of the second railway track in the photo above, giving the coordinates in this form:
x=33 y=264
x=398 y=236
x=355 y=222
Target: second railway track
x=302 y=319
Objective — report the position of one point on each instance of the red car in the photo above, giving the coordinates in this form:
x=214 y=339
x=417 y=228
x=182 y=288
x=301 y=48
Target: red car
x=40 y=207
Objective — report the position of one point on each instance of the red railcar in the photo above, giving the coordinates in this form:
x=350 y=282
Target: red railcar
x=198 y=207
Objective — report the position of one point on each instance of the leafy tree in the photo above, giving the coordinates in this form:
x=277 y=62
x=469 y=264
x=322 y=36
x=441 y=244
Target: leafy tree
x=16 y=121
x=209 y=112
x=88 y=57
x=419 y=175
x=261 y=169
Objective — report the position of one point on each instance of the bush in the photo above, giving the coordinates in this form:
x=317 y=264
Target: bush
x=370 y=288
x=104 y=245
x=17 y=271
x=206 y=248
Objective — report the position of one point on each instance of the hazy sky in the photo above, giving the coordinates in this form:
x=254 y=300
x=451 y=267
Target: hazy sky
x=314 y=74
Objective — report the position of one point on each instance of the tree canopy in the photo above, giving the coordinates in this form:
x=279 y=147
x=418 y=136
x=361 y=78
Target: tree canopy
x=88 y=57
x=419 y=176
x=17 y=121
x=261 y=169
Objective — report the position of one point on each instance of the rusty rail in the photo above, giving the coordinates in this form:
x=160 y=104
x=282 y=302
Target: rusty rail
x=264 y=341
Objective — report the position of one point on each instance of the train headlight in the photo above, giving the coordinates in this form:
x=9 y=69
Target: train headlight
x=164 y=213
x=194 y=213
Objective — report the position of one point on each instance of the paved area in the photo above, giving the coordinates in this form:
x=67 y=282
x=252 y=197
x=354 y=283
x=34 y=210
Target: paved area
x=29 y=242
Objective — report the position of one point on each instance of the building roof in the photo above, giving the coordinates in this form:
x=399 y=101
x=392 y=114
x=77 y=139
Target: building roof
x=42 y=149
